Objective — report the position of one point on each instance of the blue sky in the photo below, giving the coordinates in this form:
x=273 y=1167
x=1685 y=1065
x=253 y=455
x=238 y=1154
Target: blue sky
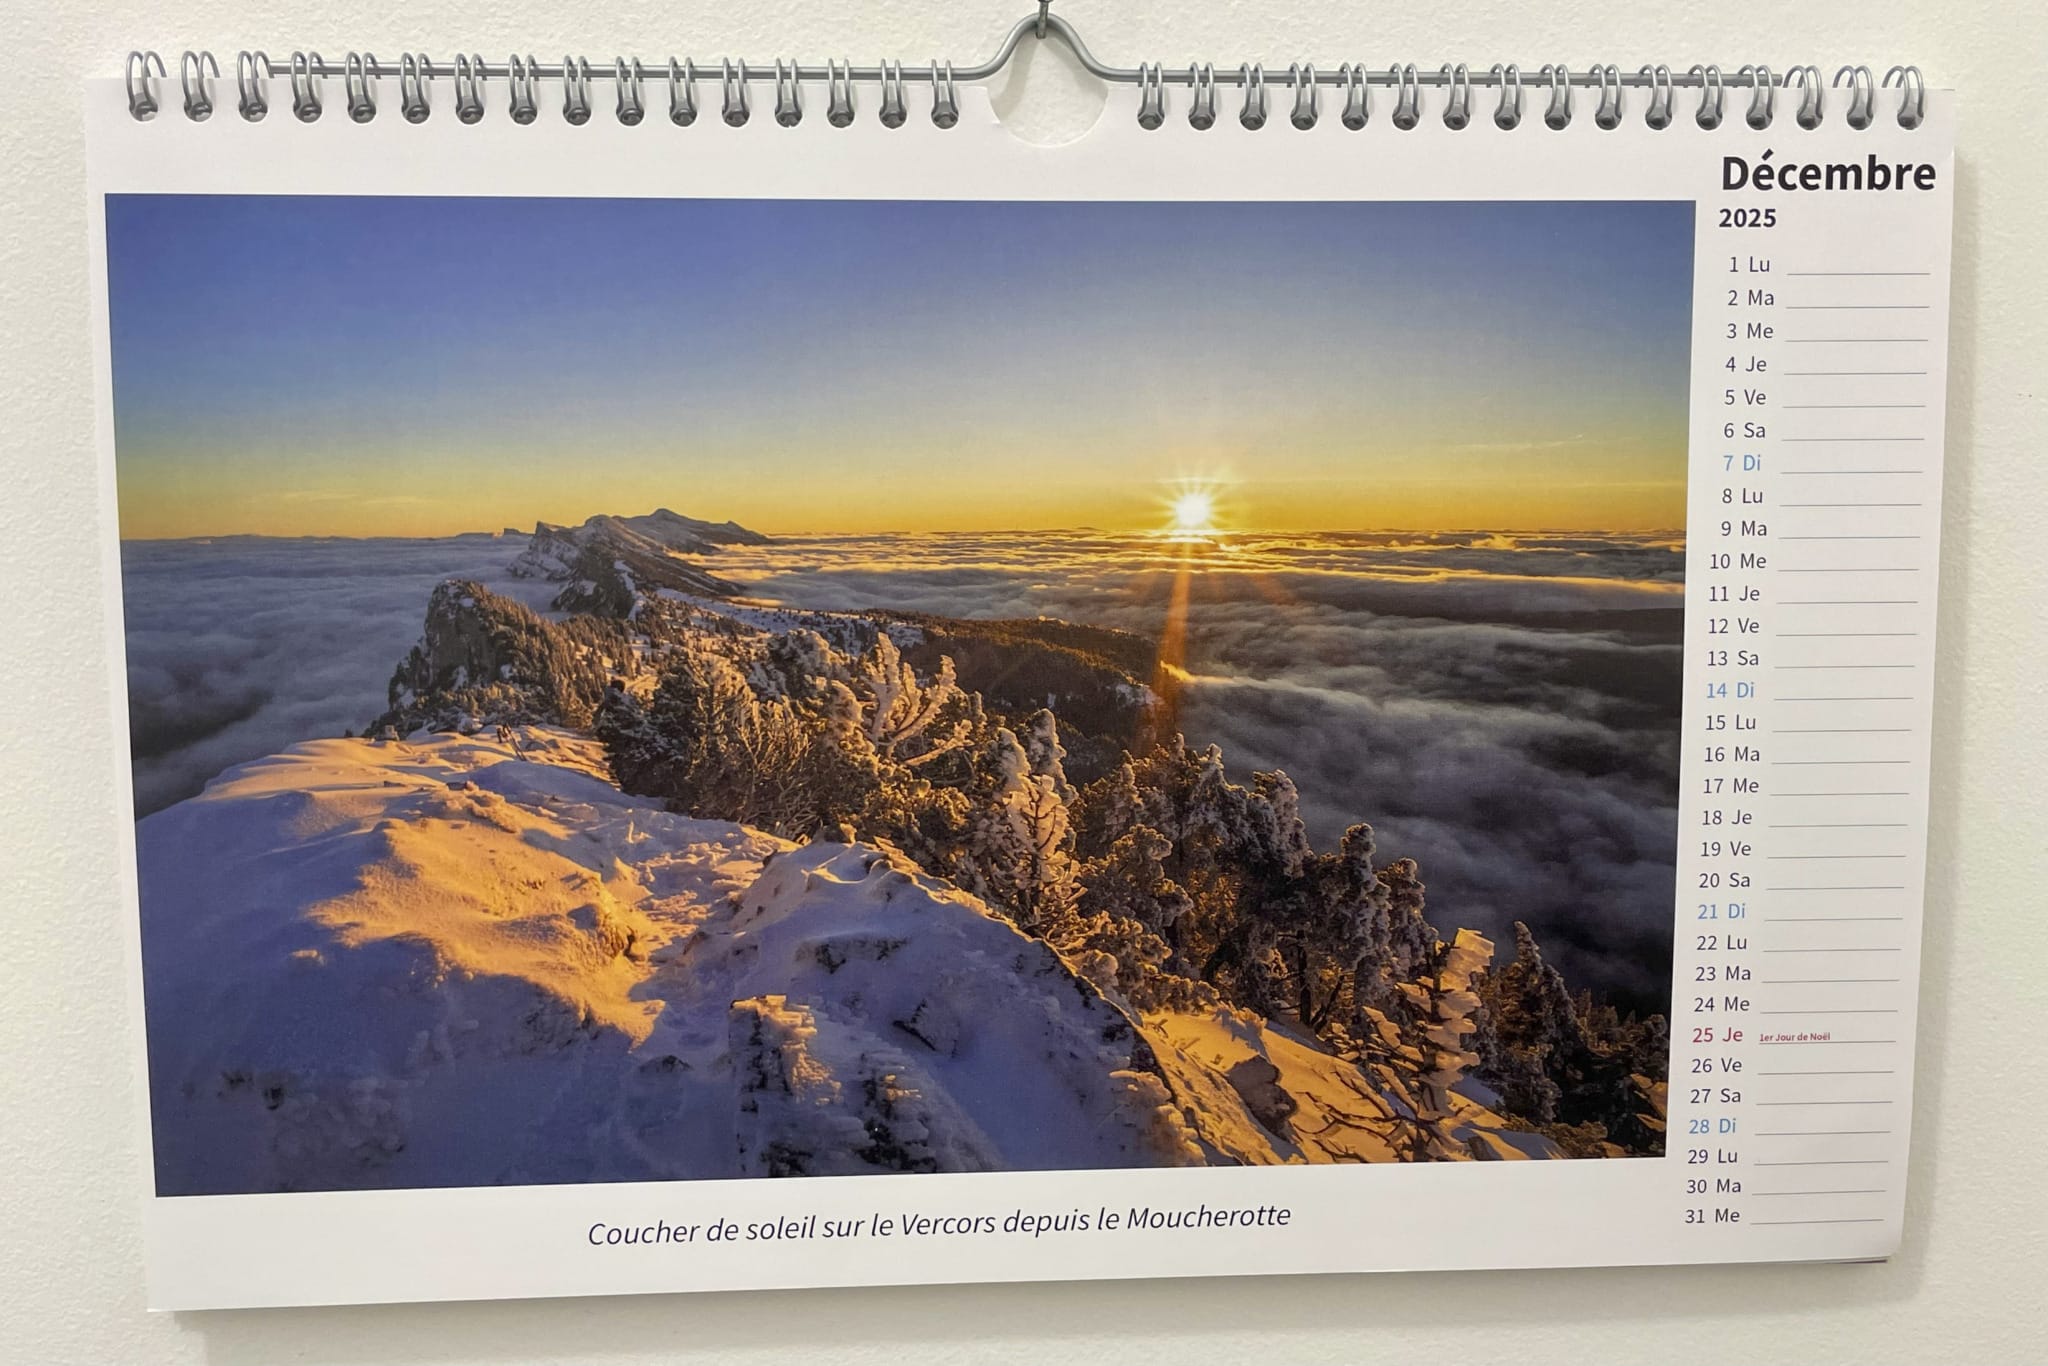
x=418 y=366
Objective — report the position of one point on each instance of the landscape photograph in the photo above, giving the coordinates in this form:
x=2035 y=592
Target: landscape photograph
x=653 y=689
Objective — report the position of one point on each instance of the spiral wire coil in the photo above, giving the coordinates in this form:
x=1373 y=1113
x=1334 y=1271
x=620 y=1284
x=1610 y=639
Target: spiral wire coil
x=472 y=80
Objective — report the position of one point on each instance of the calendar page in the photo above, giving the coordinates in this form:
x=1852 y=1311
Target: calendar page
x=817 y=701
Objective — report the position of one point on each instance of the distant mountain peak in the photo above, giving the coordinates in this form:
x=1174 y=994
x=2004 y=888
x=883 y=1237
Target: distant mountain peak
x=610 y=563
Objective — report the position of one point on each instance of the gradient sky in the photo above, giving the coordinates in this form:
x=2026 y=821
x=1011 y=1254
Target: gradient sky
x=413 y=367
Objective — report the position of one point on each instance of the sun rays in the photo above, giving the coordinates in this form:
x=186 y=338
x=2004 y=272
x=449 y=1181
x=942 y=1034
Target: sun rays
x=1194 y=513
x=1193 y=510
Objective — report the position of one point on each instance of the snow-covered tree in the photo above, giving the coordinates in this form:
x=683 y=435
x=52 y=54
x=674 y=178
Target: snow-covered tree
x=1445 y=1005
x=903 y=713
x=1107 y=810
x=711 y=746
x=799 y=665
x=1020 y=851
x=1410 y=939
x=1045 y=754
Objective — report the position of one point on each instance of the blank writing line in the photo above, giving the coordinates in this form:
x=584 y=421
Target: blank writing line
x=1841 y=825
x=1852 y=471
x=1859 y=272
x=1770 y=1222
x=1837 y=949
x=1796 y=341
x=1845 y=666
x=1816 y=439
x=1818 y=981
x=1820 y=1133
x=1891 y=1011
x=1844 y=730
x=1790 y=406
x=1842 y=794
x=1815 y=374
x=1856 y=308
x=1850 y=505
x=1831 y=919
x=1875 y=1190
x=1837 y=1162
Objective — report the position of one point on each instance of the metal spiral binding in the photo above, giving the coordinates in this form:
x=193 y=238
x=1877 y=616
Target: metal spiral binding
x=789 y=103
x=355 y=85
x=525 y=79
x=1357 y=109
x=1559 y=114
x=469 y=89
x=1862 y=96
x=1763 y=97
x=1407 y=97
x=1608 y=115
x=1201 y=114
x=306 y=106
x=576 y=90
x=1458 y=105
x=1658 y=115
x=193 y=72
x=1508 y=114
x=838 y=96
x=682 y=93
x=1253 y=79
x=1151 y=97
x=630 y=85
x=414 y=101
x=1711 y=93
x=893 y=114
x=732 y=103
x=252 y=92
x=1306 y=108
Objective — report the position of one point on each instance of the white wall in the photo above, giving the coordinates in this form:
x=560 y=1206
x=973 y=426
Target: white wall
x=1968 y=1285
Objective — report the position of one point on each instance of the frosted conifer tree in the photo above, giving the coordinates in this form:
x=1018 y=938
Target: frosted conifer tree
x=1021 y=849
x=1276 y=823
x=1411 y=939
x=800 y=665
x=1046 y=755
x=1108 y=810
x=1445 y=1004
x=902 y=712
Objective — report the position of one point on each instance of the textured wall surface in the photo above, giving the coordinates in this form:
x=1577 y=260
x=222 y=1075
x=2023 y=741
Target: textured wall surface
x=1966 y=1287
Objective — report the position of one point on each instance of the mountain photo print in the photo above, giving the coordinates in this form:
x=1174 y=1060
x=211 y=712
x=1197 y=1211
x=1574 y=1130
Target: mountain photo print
x=637 y=690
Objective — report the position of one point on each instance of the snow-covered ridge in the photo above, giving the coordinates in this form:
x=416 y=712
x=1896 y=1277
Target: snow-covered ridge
x=454 y=961
x=608 y=563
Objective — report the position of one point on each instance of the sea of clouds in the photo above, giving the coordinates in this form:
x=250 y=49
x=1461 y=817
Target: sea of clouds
x=241 y=646
x=1503 y=710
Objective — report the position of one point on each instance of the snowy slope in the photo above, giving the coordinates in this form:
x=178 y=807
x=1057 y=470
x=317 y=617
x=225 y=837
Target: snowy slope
x=445 y=962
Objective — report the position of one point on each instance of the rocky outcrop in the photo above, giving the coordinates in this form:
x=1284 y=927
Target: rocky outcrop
x=610 y=564
x=487 y=660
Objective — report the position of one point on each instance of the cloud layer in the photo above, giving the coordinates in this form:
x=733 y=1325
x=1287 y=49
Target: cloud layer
x=241 y=646
x=1504 y=710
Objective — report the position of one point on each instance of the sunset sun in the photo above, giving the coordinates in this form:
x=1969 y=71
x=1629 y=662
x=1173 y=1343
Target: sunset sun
x=1193 y=513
